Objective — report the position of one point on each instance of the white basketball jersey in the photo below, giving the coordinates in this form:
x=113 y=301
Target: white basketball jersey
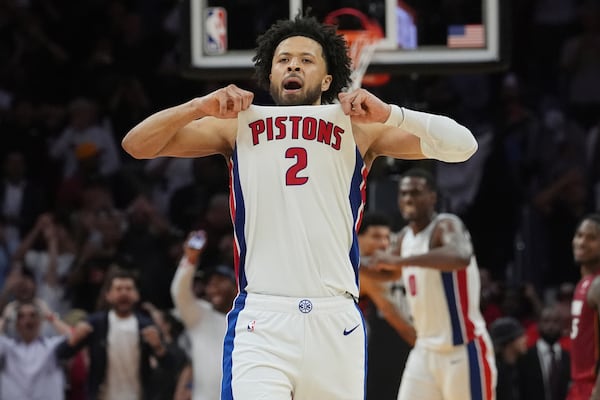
x=297 y=197
x=444 y=305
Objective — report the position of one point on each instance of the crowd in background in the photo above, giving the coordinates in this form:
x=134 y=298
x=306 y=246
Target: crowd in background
x=76 y=76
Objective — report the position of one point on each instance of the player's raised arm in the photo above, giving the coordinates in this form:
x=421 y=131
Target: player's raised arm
x=406 y=133
x=202 y=126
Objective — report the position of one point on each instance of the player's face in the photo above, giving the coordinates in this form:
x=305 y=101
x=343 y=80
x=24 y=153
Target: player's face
x=298 y=72
x=375 y=237
x=415 y=199
x=586 y=243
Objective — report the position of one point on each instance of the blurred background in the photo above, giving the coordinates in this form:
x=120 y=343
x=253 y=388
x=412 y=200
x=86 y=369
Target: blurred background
x=76 y=76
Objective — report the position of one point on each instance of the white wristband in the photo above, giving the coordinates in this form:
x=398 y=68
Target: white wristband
x=396 y=117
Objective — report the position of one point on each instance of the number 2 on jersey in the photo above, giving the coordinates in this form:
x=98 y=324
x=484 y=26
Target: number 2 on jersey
x=291 y=176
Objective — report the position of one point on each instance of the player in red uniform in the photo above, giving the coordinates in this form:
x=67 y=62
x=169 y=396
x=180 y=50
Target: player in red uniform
x=585 y=348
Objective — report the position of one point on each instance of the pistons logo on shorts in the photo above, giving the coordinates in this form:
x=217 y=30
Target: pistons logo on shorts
x=251 y=326
x=305 y=306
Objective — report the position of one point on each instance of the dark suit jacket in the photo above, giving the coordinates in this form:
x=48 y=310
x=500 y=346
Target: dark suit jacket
x=97 y=346
x=531 y=381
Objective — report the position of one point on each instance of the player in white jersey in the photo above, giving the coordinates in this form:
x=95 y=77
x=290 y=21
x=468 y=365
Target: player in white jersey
x=297 y=195
x=453 y=358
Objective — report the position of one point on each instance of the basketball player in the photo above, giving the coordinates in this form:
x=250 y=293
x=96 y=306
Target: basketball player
x=390 y=334
x=584 y=312
x=297 y=193
x=453 y=358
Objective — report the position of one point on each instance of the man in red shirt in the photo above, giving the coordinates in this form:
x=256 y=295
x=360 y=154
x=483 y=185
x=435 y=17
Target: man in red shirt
x=585 y=307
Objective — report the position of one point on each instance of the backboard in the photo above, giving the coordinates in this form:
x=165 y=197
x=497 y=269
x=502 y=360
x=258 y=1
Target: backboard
x=417 y=36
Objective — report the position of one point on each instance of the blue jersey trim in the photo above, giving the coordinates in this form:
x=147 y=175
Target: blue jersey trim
x=356 y=204
x=475 y=371
x=239 y=219
x=448 y=281
x=228 y=345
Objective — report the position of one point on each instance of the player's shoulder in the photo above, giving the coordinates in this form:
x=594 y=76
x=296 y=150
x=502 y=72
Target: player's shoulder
x=445 y=219
x=593 y=292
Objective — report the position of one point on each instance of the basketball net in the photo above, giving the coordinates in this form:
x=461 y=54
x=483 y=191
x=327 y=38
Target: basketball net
x=361 y=45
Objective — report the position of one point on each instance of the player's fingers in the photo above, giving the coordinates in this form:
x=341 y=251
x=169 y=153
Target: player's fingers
x=346 y=102
x=238 y=100
x=235 y=96
x=358 y=106
x=222 y=99
x=247 y=99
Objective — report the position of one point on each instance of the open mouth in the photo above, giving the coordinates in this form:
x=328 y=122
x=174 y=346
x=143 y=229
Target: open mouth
x=292 y=84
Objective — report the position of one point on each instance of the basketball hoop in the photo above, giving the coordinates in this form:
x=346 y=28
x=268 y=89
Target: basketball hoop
x=361 y=46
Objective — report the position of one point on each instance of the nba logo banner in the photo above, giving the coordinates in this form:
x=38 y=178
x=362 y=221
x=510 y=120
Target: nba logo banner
x=215 y=30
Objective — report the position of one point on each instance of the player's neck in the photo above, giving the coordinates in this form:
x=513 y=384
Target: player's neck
x=418 y=225
x=590 y=268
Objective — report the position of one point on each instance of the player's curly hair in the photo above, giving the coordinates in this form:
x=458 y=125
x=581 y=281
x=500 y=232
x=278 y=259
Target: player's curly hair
x=334 y=49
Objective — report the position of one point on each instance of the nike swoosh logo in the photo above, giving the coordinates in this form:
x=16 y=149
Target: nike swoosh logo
x=347 y=332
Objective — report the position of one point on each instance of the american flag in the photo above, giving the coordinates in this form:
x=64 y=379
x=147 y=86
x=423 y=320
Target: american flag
x=466 y=36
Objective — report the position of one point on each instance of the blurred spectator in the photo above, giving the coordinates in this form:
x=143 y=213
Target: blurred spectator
x=145 y=248
x=21 y=200
x=121 y=343
x=27 y=129
x=185 y=384
x=31 y=369
x=76 y=368
x=559 y=195
x=189 y=202
x=84 y=127
x=492 y=292
x=69 y=194
x=128 y=104
x=553 y=22
x=510 y=343
x=564 y=297
x=5 y=256
x=204 y=319
x=85 y=283
x=522 y=303
x=580 y=62
x=104 y=236
x=20 y=287
x=216 y=221
x=544 y=371
x=166 y=175
x=165 y=380
x=505 y=175
x=49 y=250
x=593 y=164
